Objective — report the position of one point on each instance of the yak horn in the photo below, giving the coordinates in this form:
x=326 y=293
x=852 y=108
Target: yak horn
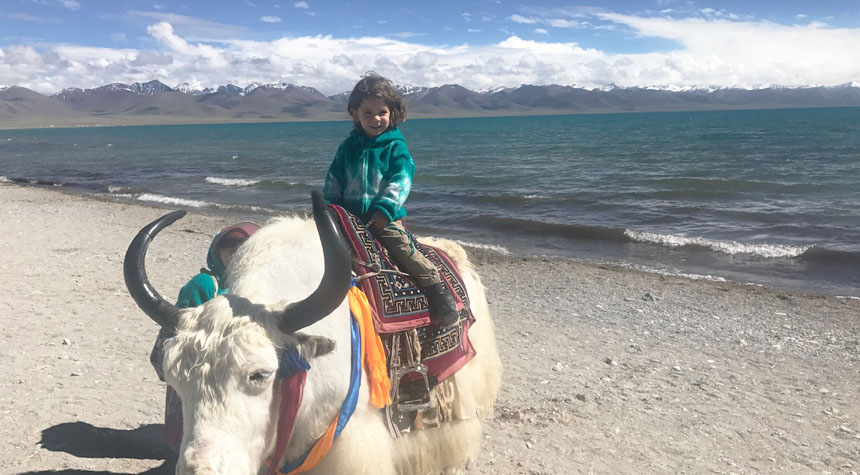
x=335 y=282
x=134 y=268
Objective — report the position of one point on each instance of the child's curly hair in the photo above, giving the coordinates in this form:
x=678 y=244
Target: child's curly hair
x=374 y=85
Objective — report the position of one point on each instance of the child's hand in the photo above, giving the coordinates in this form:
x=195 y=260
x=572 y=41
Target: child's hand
x=378 y=221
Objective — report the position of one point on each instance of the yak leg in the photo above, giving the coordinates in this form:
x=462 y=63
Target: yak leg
x=445 y=449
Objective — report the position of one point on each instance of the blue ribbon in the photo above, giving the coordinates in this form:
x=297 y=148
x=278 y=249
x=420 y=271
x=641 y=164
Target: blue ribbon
x=351 y=400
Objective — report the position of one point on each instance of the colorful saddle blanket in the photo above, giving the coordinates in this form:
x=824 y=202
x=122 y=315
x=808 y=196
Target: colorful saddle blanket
x=397 y=303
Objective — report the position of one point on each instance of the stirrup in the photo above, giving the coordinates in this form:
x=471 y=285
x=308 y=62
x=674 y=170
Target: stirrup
x=417 y=404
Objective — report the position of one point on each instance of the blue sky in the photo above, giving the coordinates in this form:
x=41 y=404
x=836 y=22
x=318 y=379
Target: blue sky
x=47 y=45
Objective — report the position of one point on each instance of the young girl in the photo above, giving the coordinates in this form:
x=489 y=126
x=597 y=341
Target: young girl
x=200 y=289
x=371 y=176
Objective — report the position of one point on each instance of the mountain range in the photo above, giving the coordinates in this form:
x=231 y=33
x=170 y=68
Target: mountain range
x=156 y=103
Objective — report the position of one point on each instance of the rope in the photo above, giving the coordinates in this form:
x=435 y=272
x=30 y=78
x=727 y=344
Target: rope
x=375 y=269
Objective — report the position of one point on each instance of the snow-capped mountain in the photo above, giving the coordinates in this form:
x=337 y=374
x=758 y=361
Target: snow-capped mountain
x=153 y=101
x=231 y=89
x=186 y=88
x=408 y=89
x=152 y=87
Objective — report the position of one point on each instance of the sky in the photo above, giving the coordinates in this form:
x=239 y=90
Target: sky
x=48 y=45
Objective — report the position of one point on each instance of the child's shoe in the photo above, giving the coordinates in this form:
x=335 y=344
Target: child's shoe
x=442 y=305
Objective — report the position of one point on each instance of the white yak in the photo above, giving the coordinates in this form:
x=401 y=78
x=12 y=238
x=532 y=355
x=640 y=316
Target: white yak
x=293 y=274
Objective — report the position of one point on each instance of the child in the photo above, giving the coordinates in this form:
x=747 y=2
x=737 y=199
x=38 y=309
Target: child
x=201 y=288
x=371 y=176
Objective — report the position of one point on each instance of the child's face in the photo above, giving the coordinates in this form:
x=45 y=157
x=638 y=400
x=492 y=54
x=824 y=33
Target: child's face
x=226 y=253
x=373 y=115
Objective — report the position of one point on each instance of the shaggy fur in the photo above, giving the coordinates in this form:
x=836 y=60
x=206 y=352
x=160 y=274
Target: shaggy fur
x=224 y=360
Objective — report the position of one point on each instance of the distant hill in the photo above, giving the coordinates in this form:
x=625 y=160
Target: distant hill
x=156 y=103
x=17 y=103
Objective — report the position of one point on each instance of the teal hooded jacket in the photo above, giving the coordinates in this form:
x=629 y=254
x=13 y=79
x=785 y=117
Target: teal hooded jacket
x=201 y=288
x=371 y=174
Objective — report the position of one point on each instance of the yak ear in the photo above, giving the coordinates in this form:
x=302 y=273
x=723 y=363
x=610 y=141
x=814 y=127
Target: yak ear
x=312 y=346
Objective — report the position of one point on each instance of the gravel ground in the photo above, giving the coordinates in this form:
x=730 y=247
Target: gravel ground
x=606 y=370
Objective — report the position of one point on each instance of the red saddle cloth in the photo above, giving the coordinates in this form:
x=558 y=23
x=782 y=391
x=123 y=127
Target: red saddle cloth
x=397 y=304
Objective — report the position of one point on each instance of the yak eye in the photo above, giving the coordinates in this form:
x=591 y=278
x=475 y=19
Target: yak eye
x=259 y=376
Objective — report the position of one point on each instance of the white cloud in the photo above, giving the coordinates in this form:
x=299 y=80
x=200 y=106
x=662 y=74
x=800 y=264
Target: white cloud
x=522 y=19
x=710 y=12
x=715 y=52
x=746 y=53
x=210 y=55
x=21 y=16
x=565 y=23
x=194 y=29
x=303 y=5
x=573 y=18
x=68 y=4
x=270 y=19
x=405 y=35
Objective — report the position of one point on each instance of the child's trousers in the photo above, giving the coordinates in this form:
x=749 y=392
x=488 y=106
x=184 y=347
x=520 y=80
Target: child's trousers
x=402 y=249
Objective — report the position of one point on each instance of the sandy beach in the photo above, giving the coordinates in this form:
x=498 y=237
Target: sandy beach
x=606 y=370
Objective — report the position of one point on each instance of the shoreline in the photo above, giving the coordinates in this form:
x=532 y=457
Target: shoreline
x=473 y=248
x=148 y=121
x=605 y=369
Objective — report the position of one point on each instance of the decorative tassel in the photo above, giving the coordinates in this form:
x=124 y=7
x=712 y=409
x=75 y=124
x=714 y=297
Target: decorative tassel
x=292 y=361
x=379 y=384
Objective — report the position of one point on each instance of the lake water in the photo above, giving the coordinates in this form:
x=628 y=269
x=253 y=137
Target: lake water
x=768 y=197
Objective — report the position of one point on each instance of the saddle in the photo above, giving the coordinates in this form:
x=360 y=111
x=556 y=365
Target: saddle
x=419 y=354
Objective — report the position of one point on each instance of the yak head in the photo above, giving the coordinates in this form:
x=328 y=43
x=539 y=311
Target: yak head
x=225 y=356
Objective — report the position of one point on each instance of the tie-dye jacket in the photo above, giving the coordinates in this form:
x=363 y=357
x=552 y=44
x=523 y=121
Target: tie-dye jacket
x=370 y=174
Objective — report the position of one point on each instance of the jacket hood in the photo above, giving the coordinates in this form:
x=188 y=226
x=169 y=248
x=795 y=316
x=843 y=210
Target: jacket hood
x=230 y=234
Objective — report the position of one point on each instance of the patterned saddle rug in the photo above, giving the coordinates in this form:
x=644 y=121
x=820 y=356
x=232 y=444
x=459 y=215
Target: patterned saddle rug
x=398 y=305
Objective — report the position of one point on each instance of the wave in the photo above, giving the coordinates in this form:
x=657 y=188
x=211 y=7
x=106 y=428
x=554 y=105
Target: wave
x=719 y=186
x=248 y=209
x=238 y=182
x=139 y=193
x=500 y=199
x=287 y=185
x=125 y=190
x=170 y=200
x=184 y=202
x=526 y=226
x=831 y=256
x=726 y=247
x=807 y=253
x=487 y=247
x=656 y=270
x=510 y=198
x=35 y=181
